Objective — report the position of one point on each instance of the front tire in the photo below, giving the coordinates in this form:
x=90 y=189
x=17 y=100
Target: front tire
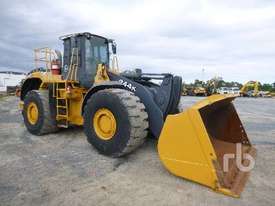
x=115 y=122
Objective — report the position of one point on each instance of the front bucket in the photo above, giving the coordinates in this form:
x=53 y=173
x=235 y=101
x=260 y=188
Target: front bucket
x=208 y=144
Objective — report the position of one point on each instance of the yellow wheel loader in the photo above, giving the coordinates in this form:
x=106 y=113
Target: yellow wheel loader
x=119 y=109
x=250 y=89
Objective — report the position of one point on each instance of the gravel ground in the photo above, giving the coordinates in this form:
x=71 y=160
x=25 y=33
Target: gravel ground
x=63 y=169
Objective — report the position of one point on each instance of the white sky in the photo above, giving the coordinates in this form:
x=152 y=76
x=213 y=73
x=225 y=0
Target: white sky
x=233 y=39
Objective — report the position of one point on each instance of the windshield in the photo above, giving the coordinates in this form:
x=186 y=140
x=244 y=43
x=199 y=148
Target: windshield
x=96 y=51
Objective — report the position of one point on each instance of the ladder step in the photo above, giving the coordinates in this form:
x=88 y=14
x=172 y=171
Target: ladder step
x=62 y=116
x=62 y=125
x=64 y=107
x=61 y=83
x=61 y=105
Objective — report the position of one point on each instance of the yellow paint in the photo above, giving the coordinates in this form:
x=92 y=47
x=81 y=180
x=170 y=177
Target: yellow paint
x=46 y=78
x=104 y=124
x=200 y=91
x=73 y=95
x=32 y=113
x=186 y=156
x=185 y=147
x=251 y=85
x=21 y=105
x=101 y=74
x=75 y=116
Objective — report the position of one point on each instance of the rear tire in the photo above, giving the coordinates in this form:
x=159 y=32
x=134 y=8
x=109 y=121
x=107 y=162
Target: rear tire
x=44 y=122
x=130 y=117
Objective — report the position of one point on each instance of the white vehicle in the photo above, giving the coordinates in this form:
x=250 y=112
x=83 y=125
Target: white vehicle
x=229 y=90
x=235 y=91
x=223 y=90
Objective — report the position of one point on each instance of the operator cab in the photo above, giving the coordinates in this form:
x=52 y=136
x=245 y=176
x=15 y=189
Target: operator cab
x=86 y=51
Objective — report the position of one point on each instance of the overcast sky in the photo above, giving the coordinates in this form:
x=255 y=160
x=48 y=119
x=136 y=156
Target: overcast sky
x=234 y=39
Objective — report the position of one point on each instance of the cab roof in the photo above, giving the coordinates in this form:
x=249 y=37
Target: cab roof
x=87 y=34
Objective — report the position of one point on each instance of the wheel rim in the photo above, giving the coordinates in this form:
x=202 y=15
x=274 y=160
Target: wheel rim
x=104 y=124
x=32 y=113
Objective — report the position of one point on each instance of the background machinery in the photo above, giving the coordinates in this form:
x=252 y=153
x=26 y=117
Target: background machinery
x=250 y=89
x=200 y=88
x=194 y=90
x=119 y=110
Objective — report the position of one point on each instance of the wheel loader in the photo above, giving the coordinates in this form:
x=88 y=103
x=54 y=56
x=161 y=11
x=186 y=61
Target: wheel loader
x=119 y=110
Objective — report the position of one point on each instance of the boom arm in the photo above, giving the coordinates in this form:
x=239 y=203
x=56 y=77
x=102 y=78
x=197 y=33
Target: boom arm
x=251 y=84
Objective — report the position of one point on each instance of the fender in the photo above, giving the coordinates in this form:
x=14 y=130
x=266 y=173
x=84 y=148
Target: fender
x=155 y=115
x=29 y=84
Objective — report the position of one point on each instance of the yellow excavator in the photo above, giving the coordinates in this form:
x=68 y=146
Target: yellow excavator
x=250 y=89
x=119 y=109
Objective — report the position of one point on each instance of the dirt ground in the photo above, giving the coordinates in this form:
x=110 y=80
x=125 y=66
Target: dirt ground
x=63 y=169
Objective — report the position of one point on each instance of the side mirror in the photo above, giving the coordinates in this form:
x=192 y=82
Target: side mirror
x=114 y=48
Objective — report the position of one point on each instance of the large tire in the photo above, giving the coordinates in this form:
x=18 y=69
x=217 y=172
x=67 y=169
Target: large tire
x=46 y=122
x=130 y=116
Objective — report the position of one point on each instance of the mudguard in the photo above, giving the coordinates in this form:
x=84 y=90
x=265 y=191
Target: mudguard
x=155 y=115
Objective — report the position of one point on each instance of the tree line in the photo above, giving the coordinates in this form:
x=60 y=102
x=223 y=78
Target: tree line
x=218 y=82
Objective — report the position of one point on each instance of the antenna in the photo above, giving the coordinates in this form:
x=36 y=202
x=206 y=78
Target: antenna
x=202 y=71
